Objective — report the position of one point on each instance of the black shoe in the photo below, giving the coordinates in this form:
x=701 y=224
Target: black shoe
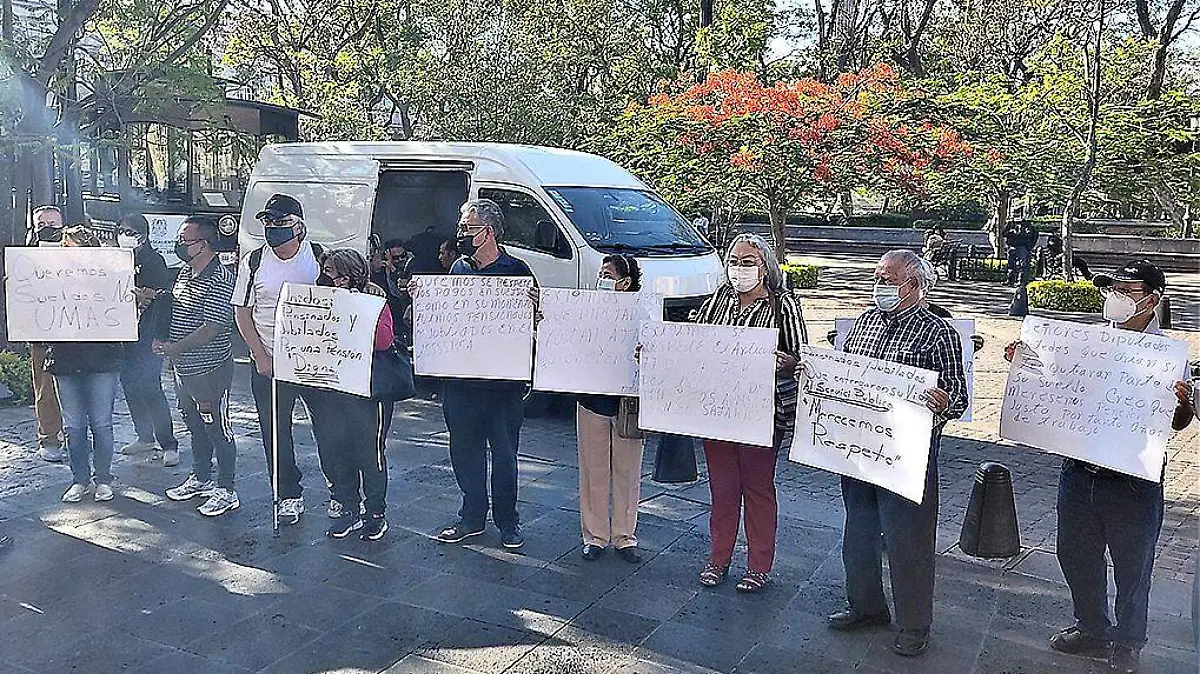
x=374 y=528
x=512 y=538
x=592 y=552
x=911 y=643
x=457 y=533
x=1075 y=641
x=1124 y=660
x=850 y=620
x=343 y=525
x=630 y=554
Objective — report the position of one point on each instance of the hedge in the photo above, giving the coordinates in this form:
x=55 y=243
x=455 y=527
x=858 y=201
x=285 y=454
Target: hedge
x=802 y=275
x=15 y=374
x=1076 y=296
x=987 y=269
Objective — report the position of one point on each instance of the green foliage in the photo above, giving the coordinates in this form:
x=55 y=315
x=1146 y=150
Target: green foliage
x=15 y=374
x=986 y=269
x=1074 y=296
x=802 y=275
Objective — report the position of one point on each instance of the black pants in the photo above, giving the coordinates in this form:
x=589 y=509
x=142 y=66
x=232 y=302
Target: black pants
x=351 y=437
x=482 y=417
x=280 y=427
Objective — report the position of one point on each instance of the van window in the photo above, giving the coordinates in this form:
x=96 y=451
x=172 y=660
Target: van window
x=628 y=220
x=522 y=213
x=421 y=205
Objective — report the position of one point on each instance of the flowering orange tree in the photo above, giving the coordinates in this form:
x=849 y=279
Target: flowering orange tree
x=780 y=147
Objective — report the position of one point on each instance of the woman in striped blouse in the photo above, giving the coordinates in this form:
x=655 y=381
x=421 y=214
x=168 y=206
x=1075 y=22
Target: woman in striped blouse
x=754 y=296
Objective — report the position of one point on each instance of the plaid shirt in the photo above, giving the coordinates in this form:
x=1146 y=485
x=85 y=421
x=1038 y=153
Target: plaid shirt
x=918 y=338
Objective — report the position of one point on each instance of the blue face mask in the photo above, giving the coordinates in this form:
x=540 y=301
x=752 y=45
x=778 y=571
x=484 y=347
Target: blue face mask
x=279 y=236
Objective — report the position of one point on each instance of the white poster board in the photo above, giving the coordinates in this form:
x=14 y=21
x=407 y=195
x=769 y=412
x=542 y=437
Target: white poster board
x=708 y=381
x=586 y=340
x=325 y=337
x=478 y=327
x=71 y=294
x=965 y=327
x=1093 y=393
x=864 y=418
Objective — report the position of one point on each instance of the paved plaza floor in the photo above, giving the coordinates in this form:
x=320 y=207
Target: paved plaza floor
x=142 y=584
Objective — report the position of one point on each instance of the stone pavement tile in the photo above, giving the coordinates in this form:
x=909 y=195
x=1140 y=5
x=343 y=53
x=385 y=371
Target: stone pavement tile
x=570 y=651
x=415 y=664
x=956 y=638
x=548 y=493
x=497 y=566
x=620 y=628
x=673 y=507
x=738 y=615
x=1024 y=603
x=1164 y=660
x=182 y=662
x=569 y=580
x=104 y=651
x=480 y=646
x=713 y=646
x=807 y=634
x=764 y=659
x=324 y=608
x=179 y=623
x=647 y=599
x=254 y=642
x=1001 y=656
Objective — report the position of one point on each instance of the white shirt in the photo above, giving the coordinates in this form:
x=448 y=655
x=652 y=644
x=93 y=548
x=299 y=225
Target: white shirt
x=268 y=283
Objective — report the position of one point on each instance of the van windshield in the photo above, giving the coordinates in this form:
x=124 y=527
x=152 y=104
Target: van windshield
x=620 y=220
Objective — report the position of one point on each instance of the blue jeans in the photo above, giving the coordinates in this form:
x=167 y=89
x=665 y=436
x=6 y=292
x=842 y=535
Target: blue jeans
x=1123 y=514
x=483 y=416
x=204 y=404
x=87 y=404
x=141 y=378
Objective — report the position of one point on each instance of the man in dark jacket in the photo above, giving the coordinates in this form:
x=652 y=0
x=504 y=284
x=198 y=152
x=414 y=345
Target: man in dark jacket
x=1020 y=237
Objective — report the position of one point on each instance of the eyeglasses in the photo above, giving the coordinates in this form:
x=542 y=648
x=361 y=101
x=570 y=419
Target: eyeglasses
x=744 y=262
x=283 y=222
x=188 y=242
x=336 y=277
x=1133 y=294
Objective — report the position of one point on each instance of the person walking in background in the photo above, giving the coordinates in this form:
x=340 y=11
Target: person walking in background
x=47 y=231
x=141 y=373
x=1021 y=238
x=752 y=296
x=200 y=348
x=85 y=378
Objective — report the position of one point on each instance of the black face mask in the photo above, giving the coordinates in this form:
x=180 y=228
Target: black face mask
x=324 y=280
x=279 y=236
x=181 y=252
x=466 y=244
x=50 y=234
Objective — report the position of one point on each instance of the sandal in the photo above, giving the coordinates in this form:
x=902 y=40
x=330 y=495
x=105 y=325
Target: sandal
x=713 y=575
x=752 y=582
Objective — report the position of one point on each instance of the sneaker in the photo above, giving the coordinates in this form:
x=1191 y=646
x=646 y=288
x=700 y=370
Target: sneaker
x=291 y=509
x=138 y=447
x=52 y=453
x=343 y=525
x=221 y=502
x=74 y=493
x=191 y=488
x=1074 y=641
x=374 y=528
x=334 y=510
x=104 y=492
x=171 y=458
x=457 y=533
x=512 y=538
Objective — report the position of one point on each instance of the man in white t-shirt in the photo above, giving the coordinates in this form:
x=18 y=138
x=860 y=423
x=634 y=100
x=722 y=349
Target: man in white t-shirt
x=286 y=258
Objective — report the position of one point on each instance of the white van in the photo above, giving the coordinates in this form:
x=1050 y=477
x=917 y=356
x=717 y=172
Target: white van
x=564 y=210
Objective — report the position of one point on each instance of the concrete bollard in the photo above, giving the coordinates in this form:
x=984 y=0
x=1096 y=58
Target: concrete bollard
x=990 y=528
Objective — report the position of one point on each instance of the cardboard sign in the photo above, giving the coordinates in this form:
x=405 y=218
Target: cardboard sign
x=708 y=381
x=477 y=327
x=863 y=418
x=1097 y=394
x=72 y=294
x=325 y=337
x=586 y=340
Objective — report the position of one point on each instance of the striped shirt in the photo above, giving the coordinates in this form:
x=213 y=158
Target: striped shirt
x=722 y=308
x=915 y=337
x=200 y=299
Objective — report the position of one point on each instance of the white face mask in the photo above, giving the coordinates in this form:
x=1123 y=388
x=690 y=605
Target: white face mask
x=1120 y=309
x=744 y=279
x=887 y=297
x=127 y=241
x=49 y=244
x=605 y=283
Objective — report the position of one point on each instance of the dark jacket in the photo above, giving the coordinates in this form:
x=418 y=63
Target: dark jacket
x=66 y=358
x=151 y=271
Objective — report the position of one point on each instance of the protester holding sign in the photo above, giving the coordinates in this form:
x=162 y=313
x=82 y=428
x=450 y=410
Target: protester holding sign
x=201 y=354
x=902 y=330
x=1100 y=509
x=85 y=376
x=47 y=231
x=753 y=296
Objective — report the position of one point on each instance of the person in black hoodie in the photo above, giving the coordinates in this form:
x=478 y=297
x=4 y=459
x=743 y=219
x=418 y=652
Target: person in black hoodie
x=141 y=373
x=85 y=376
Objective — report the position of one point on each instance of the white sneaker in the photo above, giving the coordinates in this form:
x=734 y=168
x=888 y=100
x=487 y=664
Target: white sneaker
x=74 y=493
x=221 y=502
x=52 y=454
x=171 y=458
x=138 y=447
x=104 y=492
x=334 y=510
x=291 y=509
x=191 y=488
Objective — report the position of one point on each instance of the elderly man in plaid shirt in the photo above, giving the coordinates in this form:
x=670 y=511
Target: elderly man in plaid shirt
x=900 y=329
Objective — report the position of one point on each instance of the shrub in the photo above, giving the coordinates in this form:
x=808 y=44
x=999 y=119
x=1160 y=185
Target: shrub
x=15 y=374
x=1076 y=296
x=985 y=269
x=802 y=275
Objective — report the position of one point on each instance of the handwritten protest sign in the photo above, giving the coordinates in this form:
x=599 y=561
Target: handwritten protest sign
x=325 y=337
x=708 y=381
x=965 y=327
x=1094 y=393
x=586 y=340
x=863 y=418
x=478 y=327
x=70 y=295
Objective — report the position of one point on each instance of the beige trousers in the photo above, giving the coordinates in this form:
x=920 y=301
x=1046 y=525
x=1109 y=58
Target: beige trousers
x=45 y=400
x=607 y=462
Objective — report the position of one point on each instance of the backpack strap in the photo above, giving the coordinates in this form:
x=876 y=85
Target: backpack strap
x=254 y=263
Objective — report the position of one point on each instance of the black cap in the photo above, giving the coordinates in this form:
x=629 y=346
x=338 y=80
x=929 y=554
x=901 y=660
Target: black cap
x=1133 y=272
x=280 y=206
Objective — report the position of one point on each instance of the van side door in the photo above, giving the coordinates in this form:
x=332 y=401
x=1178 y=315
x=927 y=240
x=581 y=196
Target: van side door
x=534 y=235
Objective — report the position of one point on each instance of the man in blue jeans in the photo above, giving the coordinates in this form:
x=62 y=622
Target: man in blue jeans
x=483 y=414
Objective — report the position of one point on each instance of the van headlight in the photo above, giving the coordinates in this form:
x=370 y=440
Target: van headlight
x=227 y=225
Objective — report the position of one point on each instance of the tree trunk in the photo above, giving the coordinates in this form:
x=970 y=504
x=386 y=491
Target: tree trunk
x=1000 y=218
x=778 y=215
x=1169 y=205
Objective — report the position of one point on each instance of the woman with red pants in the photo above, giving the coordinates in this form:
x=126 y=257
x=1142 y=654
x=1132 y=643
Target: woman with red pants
x=754 y=296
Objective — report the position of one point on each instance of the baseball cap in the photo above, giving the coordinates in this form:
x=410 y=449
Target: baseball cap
x=1133 y=272
x=280 y=206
